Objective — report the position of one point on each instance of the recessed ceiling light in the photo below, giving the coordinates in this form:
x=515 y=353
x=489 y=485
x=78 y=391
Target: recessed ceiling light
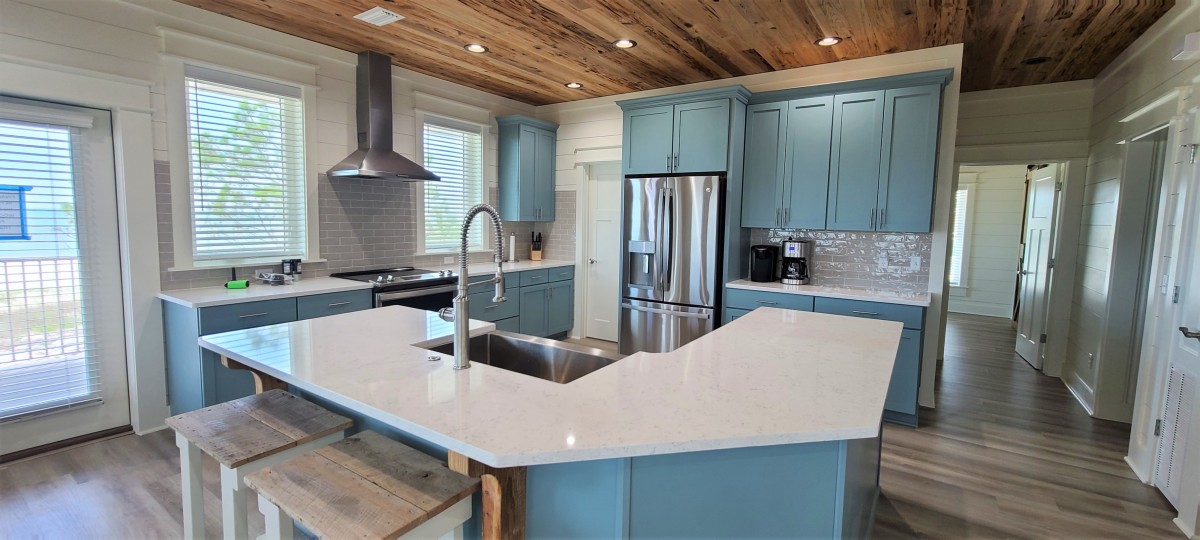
x=829 y=41
x=1035 y=60
x=378 y=16
x=475 y=48
x=573 y=85
x=624 y=44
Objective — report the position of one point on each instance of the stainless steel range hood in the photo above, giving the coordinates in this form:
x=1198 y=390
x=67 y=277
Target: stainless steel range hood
x=375 y=157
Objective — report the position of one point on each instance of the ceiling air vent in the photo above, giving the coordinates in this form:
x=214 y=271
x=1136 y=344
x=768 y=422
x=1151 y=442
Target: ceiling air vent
x=378 y=16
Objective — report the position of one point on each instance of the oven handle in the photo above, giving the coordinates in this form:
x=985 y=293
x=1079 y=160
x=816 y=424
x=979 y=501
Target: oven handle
x=388 y=296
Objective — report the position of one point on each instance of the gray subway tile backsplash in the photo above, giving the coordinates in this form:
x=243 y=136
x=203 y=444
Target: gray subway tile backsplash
x=861 y=260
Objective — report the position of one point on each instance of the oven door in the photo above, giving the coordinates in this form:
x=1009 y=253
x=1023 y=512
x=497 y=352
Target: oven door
x=428 y=299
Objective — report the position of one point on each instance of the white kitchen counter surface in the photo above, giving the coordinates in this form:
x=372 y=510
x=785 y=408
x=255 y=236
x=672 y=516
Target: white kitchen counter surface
x=888 y=297
x=219 y=296
x=771 y=377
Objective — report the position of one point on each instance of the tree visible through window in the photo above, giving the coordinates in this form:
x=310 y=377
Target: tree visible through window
x=454 y=152
x=247 y=165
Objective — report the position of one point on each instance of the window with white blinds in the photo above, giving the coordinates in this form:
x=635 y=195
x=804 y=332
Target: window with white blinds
x=958 y=237
x=454 y=152
x=47 y=344
x=245 y=141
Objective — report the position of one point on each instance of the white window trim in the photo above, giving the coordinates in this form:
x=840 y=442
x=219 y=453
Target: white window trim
x=487 y=178
x=181 y=189
x=964 y=278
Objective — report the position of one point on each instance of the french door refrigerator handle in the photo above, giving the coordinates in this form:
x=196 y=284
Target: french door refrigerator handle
x=681 y=314
x=659 y=209
x=669 y=228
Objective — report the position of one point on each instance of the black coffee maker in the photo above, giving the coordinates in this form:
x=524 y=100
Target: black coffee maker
x=763 y=260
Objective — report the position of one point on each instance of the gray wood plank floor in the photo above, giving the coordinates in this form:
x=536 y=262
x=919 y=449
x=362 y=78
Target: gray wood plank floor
x=1007 y=454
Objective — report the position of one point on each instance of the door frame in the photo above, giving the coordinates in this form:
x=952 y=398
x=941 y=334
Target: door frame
x=1064 y=248
x=129 y=101
x=583 y=227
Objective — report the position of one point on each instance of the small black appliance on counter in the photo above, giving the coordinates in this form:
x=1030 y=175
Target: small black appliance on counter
x=762 y=262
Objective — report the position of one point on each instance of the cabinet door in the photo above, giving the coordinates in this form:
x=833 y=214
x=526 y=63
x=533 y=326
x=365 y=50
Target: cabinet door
x=762 y=178
x=701 y=136
x=560 y=307
x=533 y=310
x=733 y=314
x=527 y=145
x=907 y=170
x=648 y=140
x=809 y=138
x=543 y=177
x=906 y=375
x=854 y=161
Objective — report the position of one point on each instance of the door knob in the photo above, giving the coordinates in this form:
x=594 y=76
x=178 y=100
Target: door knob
x=591 y=261
x=1189 y=333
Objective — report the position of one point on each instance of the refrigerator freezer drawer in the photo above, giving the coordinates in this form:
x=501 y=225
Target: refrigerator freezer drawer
x=653 y=327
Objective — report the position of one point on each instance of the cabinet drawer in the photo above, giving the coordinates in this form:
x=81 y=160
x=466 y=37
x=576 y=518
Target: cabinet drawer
x=512 y=280
x=534 y=277
x=320 y=305
x=482 y=307
x=561 y=274
x=217 y=319
x=746 y=299
x=912 y=316
x=732 y=314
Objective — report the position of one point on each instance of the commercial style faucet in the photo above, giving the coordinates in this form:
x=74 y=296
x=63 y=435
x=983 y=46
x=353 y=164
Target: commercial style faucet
x=460 y=313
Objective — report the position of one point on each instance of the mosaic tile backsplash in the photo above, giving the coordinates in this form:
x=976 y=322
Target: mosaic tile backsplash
x=862 y=260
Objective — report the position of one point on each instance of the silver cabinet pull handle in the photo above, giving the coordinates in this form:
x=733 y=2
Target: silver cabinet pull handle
x=766 y=303
x=882 y=216
x=1188 y=333
x=864 y=312
x=251 y=315
x=493 y=306
x=778 y=221
x=336 y=304
x=676 y=164
x=668 y=162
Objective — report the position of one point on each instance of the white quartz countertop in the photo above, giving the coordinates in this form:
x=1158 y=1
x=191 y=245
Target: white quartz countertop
x=217 y=296
x=489 y=268
x=888 y=297
x=771 y=377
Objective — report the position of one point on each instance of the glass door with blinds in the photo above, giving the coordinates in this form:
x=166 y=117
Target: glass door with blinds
x=62 y=350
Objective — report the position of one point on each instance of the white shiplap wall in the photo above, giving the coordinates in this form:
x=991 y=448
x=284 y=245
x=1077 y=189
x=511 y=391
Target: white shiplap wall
x=590 y=131
x=995 y=240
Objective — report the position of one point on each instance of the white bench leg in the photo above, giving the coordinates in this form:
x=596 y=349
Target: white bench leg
x=279 y=525
x=233 y=504
x=445 y=525
x=191 y=475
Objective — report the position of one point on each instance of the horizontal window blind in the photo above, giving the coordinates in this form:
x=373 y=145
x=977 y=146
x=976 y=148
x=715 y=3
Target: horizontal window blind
x=246 y=157
x=958 y=236
x=456 y=155
x=47 y=343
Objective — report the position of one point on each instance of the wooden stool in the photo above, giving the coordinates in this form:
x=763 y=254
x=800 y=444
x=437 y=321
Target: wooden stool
x=365 y=486
x=244 y=436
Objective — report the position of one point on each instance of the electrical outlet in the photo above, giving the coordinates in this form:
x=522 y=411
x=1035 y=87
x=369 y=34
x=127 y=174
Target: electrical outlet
x=448 y=260
x=1091 y=360
x=263 y=271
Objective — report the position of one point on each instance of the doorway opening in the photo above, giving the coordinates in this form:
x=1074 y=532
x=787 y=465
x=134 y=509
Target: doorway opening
x=1004 y=236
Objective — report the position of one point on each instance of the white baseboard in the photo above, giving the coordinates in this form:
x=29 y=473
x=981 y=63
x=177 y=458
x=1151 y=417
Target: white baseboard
x=1189 y=532
x=1145 y=478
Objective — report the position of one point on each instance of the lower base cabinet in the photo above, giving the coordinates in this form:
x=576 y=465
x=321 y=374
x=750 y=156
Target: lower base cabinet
x=547 y=309
x=900 y=405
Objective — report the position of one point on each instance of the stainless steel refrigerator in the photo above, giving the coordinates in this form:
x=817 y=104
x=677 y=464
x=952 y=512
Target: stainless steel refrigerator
x=671 y=252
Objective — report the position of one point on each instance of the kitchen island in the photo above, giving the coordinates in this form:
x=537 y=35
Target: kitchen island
x=767 y=427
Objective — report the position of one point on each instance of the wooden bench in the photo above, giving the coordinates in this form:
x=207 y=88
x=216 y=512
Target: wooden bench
x=368 y=486
x=244 y=436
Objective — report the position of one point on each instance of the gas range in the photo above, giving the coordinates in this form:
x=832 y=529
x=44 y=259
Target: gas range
x=401 y=279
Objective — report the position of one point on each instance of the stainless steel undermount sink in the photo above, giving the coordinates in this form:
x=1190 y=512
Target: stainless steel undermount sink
x=547 y=359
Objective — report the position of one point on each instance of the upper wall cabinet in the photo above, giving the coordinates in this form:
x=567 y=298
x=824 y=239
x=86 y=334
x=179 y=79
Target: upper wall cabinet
x=787 y=163
x=526 y=175
x=858 y=156
x=679 y=134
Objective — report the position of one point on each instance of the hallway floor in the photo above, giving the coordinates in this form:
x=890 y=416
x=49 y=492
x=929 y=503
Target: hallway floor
x=1007 y=454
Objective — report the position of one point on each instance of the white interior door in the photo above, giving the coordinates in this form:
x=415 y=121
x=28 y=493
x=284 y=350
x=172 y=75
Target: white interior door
x=1035 y=273
x=603 y=251
x=62 y=350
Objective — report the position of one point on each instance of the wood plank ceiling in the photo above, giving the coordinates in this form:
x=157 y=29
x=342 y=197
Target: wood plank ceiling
x=536 y=46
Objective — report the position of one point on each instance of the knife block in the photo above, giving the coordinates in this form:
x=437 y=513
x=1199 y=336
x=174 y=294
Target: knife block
x=535 y=254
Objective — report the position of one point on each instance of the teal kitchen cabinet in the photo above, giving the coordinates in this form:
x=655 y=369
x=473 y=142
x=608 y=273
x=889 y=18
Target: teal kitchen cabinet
x=733 y=314
x=854 y=161
x=526 y=168
x=900 y=405
x=786 y=176
x=196 y=378
x=547 y=309
x=911 y=117
x=679 y=134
